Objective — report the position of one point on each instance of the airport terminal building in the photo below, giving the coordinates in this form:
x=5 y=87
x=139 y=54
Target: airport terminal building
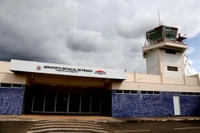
x=28 y=87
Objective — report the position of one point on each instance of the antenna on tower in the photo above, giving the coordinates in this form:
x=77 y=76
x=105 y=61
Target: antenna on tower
x=187 y=65
x=159 y=18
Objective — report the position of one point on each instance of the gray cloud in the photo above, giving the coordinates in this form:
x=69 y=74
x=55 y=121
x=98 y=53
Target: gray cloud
x=85 y=41
x=28 y=28
x=134 y=28
x=106 y=33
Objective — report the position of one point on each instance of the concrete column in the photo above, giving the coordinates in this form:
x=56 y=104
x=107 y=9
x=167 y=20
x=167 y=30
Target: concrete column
x=184 y=79
x=198 y=79
x=135 y=76
x=162 y=78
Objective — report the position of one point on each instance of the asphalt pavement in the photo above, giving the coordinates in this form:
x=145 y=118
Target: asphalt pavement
x=98 y=124
x=153 y=127
x=102 y=119
x=77 y=126
x=15 y=126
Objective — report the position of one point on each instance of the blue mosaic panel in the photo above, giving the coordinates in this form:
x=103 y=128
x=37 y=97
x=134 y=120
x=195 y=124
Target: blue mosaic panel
x=149 y=105
x=11 y=101
x=190 y=105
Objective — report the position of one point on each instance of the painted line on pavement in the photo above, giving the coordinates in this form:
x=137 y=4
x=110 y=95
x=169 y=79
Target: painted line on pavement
x=62 y=125
x=66 y=121
x=68 y=129
x=63 y=132
x=186 y=128
x=133 y=131
x=70 y=132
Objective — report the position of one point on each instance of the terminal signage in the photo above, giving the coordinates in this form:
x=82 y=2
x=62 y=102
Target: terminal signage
x=68 y=69
x=60 y=69
x=100 y=72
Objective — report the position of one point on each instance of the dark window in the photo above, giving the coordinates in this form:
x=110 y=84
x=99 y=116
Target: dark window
x=175 y=68
x=126 y=92
x=16 y=85
x=143 y=92
x=156 y=92
x=184 y=93
x=119 y=91
x=150 y=92
x=190 y=93
x=169 y=51
x=5 y=85
x=133 y=92
x=171 y=68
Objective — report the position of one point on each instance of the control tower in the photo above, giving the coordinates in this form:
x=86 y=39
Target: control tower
x=163 y=50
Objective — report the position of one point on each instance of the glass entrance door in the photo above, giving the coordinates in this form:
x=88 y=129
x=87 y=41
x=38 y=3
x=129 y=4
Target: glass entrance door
x=38 y=101
x=74 y=102
x=85 y=103
x=63 y=102
x=49 y=102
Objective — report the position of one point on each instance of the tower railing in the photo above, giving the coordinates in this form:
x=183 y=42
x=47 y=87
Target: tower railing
x=179 y=40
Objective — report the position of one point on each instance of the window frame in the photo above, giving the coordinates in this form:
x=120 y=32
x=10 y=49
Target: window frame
x=150 y=92
x=190 y=94
x=7 y=85
x=172 y=68
x=131 y=92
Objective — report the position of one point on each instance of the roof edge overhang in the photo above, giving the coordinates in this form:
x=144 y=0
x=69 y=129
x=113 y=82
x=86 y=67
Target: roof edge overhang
x=165 y=45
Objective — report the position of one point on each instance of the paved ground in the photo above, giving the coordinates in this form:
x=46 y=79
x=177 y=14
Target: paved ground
x=76 y=126
x=98 y=124
x=91 y=118
x=67 y=126
x=153 y=127
x=15 y=126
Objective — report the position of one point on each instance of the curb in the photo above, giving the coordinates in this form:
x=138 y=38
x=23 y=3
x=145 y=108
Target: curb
x=108 y=121
x=18 y=120
x=147 y=120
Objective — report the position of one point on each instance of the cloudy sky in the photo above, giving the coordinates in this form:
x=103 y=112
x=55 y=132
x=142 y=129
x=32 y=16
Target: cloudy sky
x=94 y=33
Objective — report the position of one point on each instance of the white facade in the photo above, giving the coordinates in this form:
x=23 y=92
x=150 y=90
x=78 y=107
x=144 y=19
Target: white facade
x=133 y=81
x=173 y=59
x=152 y=62
x=159 y=61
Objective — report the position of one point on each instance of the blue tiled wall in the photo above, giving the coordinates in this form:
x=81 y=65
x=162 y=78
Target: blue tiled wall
x=190 y=105
x=138 y=105
x=11 y=101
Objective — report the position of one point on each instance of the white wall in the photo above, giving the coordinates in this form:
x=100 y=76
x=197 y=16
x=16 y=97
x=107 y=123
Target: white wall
x=152 y=59
x=12 y=78
x=162 y=79
x=147 y=78
x=4 y=67
x=174 y=80
x=154 y=71
x=171 y=58
x=128 y=85
x=175 y=74
x=192 y=81
x=152 y=63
